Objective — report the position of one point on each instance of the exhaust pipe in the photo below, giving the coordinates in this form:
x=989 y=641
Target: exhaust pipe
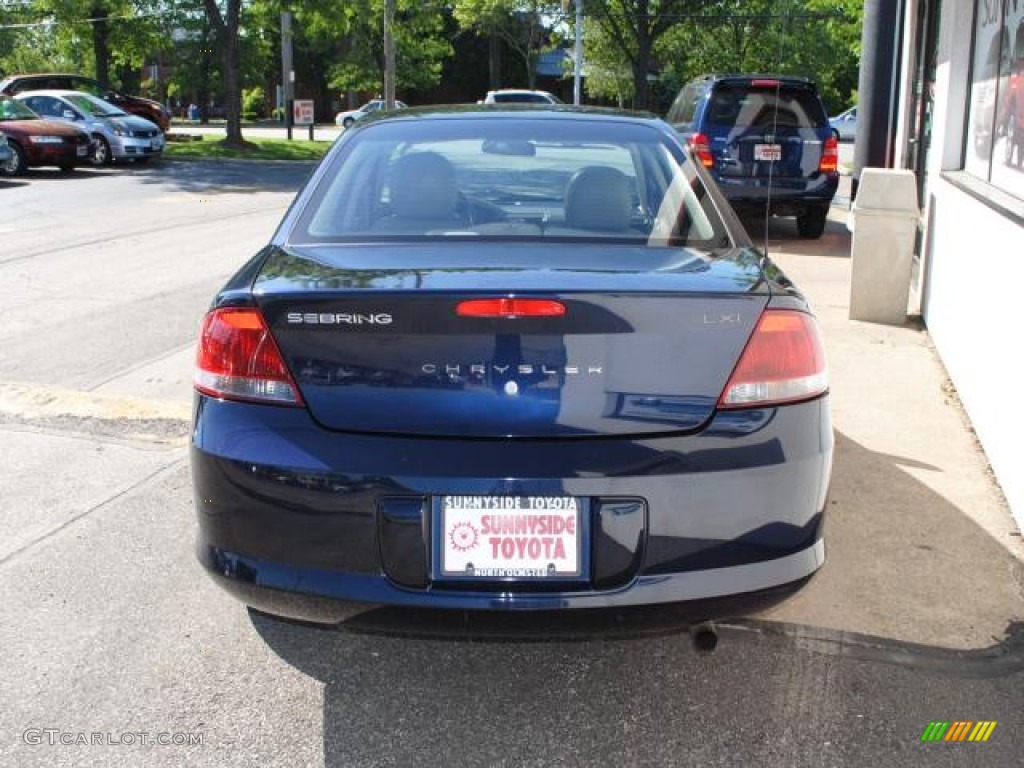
x=704 y=636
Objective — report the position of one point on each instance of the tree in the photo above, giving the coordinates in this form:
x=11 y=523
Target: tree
x=420 y=41
x=632 y=29
x=813 y=38
x=225 y=27
x=518 y=23
x=109 y=39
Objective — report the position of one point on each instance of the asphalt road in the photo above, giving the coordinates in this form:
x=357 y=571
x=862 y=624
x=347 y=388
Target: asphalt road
x=112 y=637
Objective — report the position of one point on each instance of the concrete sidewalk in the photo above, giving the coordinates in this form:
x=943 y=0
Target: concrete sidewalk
x=920 y=544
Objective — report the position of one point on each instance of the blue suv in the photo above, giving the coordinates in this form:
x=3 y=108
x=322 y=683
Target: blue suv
x=767 y=142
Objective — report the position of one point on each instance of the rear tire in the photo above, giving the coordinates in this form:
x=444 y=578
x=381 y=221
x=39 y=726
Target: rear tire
x=812 y=223
x=16 y=165
x=347 y=123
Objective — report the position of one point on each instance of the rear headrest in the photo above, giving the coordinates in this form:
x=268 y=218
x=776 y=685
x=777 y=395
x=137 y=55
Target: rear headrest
x=598 y=197
x=423 y=187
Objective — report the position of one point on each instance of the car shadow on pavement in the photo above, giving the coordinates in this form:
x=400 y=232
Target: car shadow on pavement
x=906 y=565
x=912 y=585
x=82 y=173
x=236 y=176
x=780 y=231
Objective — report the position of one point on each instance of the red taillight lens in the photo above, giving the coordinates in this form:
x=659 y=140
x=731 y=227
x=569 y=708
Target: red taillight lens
x=237 y=359
x=702 y=149
x=830 y=156
x=784 y=361
x=508 y=307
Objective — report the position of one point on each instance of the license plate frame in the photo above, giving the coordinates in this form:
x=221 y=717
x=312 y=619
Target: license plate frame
x=768 y=153
x=540 y=549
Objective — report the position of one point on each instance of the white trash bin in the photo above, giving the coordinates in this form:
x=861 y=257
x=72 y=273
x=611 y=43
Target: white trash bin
x=883 y=219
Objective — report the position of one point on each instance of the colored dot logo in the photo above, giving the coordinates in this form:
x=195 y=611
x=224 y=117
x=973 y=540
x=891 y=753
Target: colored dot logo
x=958 y=730
x=464 y=537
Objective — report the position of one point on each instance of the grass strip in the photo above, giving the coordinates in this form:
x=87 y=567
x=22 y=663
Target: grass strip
x=214 y=148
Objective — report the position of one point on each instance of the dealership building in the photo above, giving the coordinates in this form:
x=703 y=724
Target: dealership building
x=956 y=98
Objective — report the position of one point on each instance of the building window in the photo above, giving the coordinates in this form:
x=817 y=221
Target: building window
x=994 y=140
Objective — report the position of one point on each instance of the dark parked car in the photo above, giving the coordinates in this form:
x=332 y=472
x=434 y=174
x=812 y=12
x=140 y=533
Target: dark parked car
x=151 y=110
x=508 y=360
x=36 y=142
x=766 y=140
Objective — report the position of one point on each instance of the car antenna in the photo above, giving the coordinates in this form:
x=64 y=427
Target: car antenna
x=775 y=123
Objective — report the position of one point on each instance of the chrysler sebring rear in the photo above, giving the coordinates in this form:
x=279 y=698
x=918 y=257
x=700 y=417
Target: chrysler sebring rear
x=508 y=360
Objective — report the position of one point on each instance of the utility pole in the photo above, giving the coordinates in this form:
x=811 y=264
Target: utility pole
x=287 y=70
x=577 y=57
x=577 y=53
x=389 y=54
x=878 y=87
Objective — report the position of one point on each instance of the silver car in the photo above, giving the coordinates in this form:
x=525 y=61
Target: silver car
x=116 y=134
x=845 y=124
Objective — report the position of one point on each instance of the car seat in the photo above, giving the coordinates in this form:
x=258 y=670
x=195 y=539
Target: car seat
x=598 y=198
x=423 y=195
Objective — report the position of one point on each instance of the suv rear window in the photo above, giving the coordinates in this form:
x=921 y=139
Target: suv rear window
x=743 y=105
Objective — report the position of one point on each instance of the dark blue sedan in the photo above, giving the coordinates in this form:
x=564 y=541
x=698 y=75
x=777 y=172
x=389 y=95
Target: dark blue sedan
x=516 y=359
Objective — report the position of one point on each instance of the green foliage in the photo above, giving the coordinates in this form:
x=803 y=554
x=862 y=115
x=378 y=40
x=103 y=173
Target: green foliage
x=524 y=25
x=815 y=38
x=65 y=34
x=254 y=103
x=420 y=45
x=338 y=46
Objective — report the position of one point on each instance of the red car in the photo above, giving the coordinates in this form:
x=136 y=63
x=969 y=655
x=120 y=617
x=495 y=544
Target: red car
x=35 y=141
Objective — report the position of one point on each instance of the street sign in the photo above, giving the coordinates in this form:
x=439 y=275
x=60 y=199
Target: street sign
x=302 y=112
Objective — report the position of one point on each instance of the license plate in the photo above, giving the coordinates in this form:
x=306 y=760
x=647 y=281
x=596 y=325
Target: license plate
x=517 y=537
x=82 y=151
x=768 y=152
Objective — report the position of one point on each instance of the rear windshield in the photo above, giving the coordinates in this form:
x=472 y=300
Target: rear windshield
x=511 y=178
x=742 y=105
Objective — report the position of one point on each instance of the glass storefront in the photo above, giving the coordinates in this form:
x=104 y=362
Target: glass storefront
x=994 y=141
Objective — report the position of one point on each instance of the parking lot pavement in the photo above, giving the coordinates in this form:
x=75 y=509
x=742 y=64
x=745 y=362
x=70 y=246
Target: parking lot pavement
x=920 y=544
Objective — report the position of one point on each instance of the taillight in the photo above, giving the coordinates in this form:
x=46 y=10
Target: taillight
x=510 y=307
x=702 y=149
x=830 y=156
x=784 y=361
x=237 y=359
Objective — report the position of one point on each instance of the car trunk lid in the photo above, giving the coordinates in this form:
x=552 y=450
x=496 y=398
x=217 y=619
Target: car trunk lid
x=635 y=351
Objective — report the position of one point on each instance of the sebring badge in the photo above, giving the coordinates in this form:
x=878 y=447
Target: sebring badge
x=338 y=318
